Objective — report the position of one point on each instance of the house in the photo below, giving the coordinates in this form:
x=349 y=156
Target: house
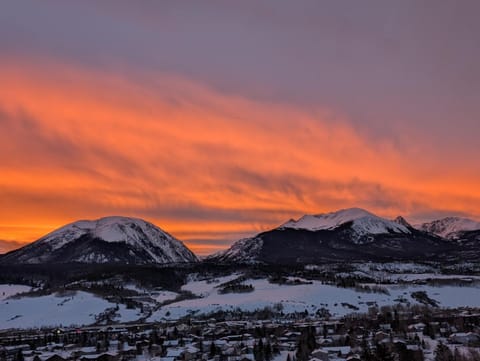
x=417 y=327
x=415 y=352
x=380 y=336
x=320 y=354
x=190 y=353
x=170 y=343
x=108 y=356
x=87 y=351
x=176 y=354
x=48 y=357
x=13 y=350
x=386 y=327
x=339 y=350
x=354 y=357
x=128 y=351
x=465 y=338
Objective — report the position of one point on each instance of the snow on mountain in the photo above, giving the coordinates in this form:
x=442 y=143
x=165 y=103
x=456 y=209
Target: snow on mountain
x=402 y=221
x=363 y=222
x=346 y=234
x=109 y=239
x=245 y=250
x=450 y=227
x=110 y=229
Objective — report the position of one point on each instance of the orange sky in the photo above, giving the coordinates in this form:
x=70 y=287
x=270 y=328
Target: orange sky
x=207 y=166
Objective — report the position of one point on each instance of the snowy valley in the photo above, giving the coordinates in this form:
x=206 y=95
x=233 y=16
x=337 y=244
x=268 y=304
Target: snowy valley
x=355 y=282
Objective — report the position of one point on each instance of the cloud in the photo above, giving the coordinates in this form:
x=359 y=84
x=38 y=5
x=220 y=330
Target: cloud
x=6 y=246
x=81 y=143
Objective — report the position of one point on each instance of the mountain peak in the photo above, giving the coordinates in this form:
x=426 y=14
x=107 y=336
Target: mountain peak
x=450 y=227
x=346 y=235
x=402 y=221
x=104 y=240
x=364 y=222
x=327 y=220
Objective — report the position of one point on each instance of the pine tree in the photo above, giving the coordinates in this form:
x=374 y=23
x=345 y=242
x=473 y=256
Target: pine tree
x=20 y=356
x=306 y=344
x=382 y=353
x=258 y=351
x=268 y=351
x=213 y=350
x=443 y=353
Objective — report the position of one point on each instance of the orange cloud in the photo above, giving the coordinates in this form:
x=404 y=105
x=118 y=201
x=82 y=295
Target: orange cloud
x=78 y=143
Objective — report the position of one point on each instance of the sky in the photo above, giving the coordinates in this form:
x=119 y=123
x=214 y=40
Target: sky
x=218 y=120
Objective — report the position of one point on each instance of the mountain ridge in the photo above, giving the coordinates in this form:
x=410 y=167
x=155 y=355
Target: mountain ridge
x=345 y=235
x=450 y=227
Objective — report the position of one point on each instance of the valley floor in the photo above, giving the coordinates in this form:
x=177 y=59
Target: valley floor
x=203 y=295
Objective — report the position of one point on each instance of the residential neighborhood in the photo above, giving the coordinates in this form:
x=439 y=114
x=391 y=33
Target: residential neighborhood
x=390 y=333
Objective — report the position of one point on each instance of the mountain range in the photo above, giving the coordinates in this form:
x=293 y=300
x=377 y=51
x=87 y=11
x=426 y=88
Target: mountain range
x=346 y=235
x=357 y=235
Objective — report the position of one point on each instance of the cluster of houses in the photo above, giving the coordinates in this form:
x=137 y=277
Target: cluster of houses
x=347 y=339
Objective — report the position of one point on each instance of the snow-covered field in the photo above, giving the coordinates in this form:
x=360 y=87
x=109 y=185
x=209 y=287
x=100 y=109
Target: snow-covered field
x=162 y=296
x=310 y=297
x=79 y=308
x=7 y=291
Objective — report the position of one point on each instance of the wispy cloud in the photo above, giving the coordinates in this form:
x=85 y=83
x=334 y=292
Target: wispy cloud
x=203 y=165
x=6 y=246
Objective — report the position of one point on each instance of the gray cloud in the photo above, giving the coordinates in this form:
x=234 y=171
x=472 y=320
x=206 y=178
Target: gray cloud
x=397 y=69
x=6 y=246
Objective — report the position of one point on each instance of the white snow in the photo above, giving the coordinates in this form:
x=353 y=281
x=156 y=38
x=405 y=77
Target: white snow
x=135 y=287
x=244 y=250
x=450 y=227
x=163 y=296
x=311 y=297
x=394 y=267
x=79 y=308
x=364 y=222
x=409 y=277
x=132 y=231
x=8 y=290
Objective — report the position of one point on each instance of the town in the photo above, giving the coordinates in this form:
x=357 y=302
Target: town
x=401 y=333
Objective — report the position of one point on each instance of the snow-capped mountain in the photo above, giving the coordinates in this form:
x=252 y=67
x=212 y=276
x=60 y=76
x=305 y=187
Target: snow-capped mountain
x=363 y=222
x=450 y=227
x=348 y=234
x=110 y=239
x=246 y=250
x=402 y=221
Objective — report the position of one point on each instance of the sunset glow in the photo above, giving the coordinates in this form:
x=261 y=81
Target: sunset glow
x=208 y=165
